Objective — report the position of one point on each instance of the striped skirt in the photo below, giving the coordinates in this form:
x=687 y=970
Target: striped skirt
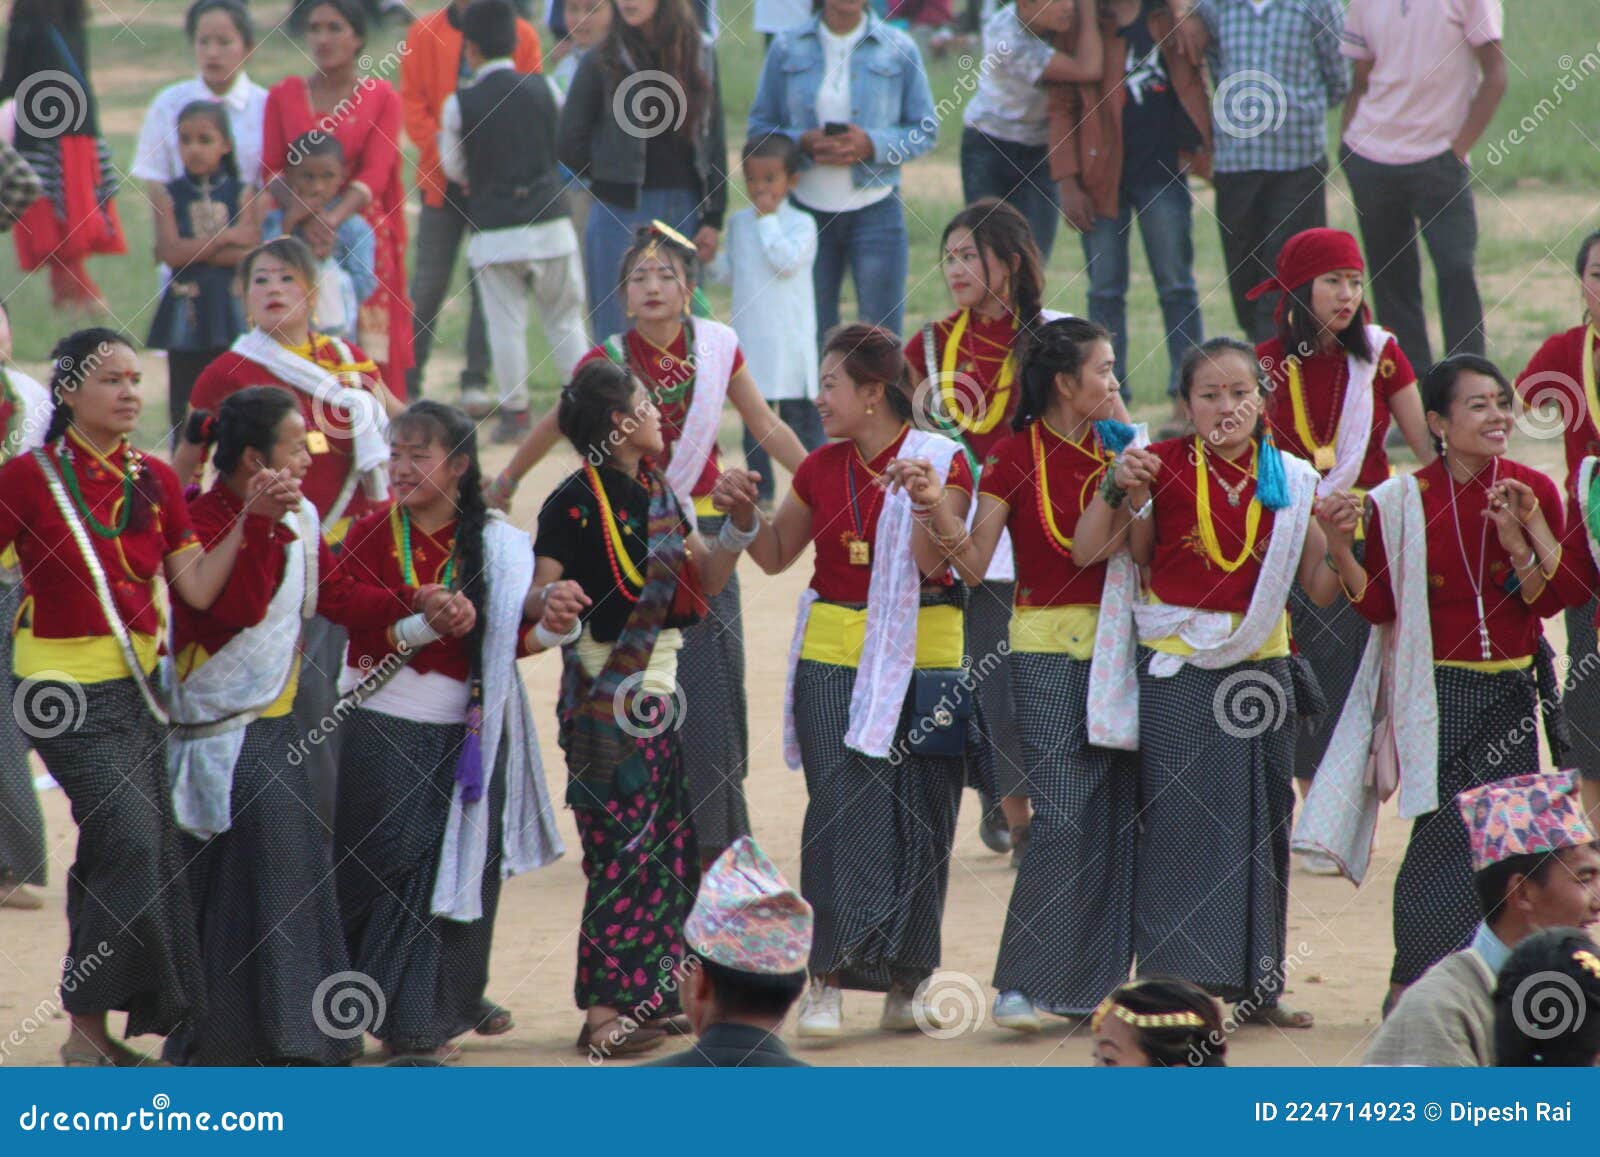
x=1211 y=889
x=1069 y=930
x=22 y=851
x=396 y=779
x=131 y=927
x=996 y=763
x=875 y=844
x=269 y=919
x=715 y=735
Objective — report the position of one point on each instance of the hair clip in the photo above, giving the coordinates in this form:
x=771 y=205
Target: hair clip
x=1589 y=961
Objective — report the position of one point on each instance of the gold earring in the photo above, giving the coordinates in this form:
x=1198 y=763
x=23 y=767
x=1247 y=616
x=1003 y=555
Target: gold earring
x=872 y=409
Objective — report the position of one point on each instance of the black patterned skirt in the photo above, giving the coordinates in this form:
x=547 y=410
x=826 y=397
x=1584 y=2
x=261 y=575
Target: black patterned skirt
x=996 y=763
x=269 y=919
x=875 y=846
x=396 y=782
x=22 y=851
x=1580 y=698
x=322 y=650
x=1211 y=883
x=1332 y=640
x=1069 y=929
x=131 y=926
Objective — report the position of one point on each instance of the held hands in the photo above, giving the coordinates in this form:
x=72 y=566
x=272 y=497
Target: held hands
x=272 y=494
x=1339 y=515
x=564 y=601
x=1135 y=473
x=736 y=495
x=916 y=477
x=450 y=613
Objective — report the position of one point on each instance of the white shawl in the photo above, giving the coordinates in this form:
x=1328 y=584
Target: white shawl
x=1355 y=417
x=714 y=347
x=233 y=687
x=1340 y=814
x=528 y=827
x=33 y=418
x=1113 y=684
x=369 y=424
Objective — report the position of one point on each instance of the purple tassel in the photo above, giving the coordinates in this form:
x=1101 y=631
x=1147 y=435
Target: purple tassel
x=469 y=768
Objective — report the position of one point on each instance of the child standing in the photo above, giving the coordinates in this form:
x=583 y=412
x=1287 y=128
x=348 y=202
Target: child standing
x=346 y=275
x=771 y=247
x=498 y=140
x=199 y=233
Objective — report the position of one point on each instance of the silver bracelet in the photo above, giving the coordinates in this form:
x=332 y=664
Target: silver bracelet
x=1144 y=511
x=549 y=640
x=413 y=632
x=730 y=538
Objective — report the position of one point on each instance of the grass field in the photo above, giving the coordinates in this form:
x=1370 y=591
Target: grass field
x=1538 y=174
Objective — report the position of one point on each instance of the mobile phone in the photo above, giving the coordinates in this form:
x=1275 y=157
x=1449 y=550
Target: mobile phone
x=835 y=129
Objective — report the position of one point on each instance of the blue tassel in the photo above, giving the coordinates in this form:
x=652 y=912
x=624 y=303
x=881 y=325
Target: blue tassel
x=1114 y=435
x=1272 y=484
x=469 y=767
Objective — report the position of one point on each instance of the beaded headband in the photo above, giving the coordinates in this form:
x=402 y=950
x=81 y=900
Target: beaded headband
x=1147 y=1019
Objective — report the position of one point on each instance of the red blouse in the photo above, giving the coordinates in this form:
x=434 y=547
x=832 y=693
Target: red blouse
x=64 y=602
x=823 y=483
x=1452 y=606
x=665 y=371
x=341 y=596
x=1555 y=373
x=1323 y=378
x=332 y=455
x=1046 y=574
x=1181 y=572
x=372 y=555
x=984 y=349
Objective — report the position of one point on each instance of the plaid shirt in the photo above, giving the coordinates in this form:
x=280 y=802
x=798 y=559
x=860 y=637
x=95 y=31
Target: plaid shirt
x=1276 y=73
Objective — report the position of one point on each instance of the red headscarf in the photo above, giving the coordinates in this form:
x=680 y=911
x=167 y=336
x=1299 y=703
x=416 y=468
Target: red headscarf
x=1307 y=255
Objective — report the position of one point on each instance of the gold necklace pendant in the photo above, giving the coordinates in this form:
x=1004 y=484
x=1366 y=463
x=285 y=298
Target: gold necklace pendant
x=860 y=552
x=1323 y=458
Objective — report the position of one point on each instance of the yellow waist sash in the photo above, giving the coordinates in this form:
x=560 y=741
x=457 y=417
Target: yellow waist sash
x=1489 y=666
x=85 y=659
x=836 y=634
x=1065 y=630
x=1276 y=646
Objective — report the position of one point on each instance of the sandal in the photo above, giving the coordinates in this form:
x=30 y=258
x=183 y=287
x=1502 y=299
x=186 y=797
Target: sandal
x=609 y=1039
x=679 y=1025
x=493 y=1020
x=18 y=896
x=1276 y=1015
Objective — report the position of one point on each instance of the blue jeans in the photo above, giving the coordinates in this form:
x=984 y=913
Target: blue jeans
x=873 y=242
x=1165 y=225
x=800 y=414
x=1019 y=175
x=606 y=237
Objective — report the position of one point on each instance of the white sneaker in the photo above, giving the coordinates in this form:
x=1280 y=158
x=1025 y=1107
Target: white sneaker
x=476 y=402
x=821 y=1011
x=1015 y=1011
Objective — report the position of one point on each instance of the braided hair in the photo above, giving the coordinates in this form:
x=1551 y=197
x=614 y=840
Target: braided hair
x=247 y=420
x=451 y=428
x=1059 y=347
x=1000 y=231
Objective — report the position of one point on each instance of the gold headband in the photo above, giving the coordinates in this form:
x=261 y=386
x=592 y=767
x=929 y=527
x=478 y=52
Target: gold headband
x=662 y=229
x=1148 y=1019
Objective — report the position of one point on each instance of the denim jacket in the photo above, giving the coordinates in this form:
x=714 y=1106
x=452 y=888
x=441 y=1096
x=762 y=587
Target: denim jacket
x=889 y=95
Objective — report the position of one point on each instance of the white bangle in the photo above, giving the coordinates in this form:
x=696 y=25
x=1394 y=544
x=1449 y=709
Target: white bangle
x=1144 y=511
x=731 y=539
x=549 y=640
x=413 y=633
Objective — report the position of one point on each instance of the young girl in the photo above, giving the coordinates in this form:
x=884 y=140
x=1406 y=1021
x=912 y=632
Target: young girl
x=689 y=368
x=345 y=408
x=25 y=409
x=94 y=522
x=968 y=364
x=1158 y=1023
x=262 y=880
x=1563 y=373
x=1336 y=382
x=1068 y=935
x=199 y=233
x=1223 y=523
x=441 y=791
x=1459 y=670
x=876 y=657
x=616 y=535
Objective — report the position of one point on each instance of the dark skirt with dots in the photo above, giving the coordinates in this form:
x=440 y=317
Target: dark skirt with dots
x=1580 y=698
x=1211 y=871
x=1332 y=640
x=642 y=864
x=1069 y=930
x=996 y=764
x=22 y=854
x=322 y=648
x=269 y=919
x=715 y=734
x=1482 y=738
x=875 y=844
x=132 y=933
x=396 y=782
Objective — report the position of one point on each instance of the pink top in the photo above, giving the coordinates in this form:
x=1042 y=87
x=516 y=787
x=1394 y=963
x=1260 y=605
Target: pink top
x=1424 y=73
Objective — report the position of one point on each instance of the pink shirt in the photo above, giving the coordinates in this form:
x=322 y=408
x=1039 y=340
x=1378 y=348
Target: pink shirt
x=1424 y=73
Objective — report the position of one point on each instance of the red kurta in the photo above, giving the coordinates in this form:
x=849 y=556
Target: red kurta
x=1046 y=574
x=1323 y=378
x=823 y=483
x=1452 y=563
x=1555 y=373
x=368 y=128
x=1181 y=573
x=372 y=555
x=984 y=348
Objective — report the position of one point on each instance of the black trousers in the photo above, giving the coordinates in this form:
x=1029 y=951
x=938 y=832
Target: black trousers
x=1257 y=212
x=1393 y=204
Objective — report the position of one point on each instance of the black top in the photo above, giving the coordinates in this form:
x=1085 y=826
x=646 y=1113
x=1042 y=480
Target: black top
x=669 y=163
x=1151 y=112
x=732 y=1046
x=572 y=532
x=61 y=106
x=508 y=127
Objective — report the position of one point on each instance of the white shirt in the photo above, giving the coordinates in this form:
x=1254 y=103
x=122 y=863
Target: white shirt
x=769 y=261
x=830 y=188
x=156 y=156
x=553 y=238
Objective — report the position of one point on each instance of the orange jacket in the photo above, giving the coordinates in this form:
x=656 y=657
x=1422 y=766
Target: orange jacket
x=429 y=70
x=1086 y=119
